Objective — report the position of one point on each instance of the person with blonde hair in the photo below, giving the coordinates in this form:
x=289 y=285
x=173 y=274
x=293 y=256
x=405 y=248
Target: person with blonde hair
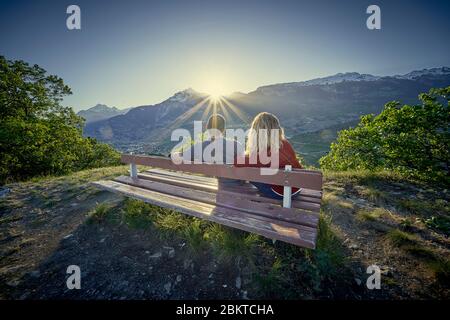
x=266 y=141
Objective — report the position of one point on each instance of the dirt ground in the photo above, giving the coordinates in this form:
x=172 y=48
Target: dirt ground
x=44 y=228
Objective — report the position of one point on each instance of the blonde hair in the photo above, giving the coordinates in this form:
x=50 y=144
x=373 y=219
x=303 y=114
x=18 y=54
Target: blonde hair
x=261 y=132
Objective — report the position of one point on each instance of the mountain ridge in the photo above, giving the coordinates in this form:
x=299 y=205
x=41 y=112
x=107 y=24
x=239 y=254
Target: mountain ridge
x=100 y=112
x=329 y=102
x=355 y=76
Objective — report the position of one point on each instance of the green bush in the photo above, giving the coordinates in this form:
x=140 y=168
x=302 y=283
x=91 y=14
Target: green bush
x=411 y=140
x=38 y=136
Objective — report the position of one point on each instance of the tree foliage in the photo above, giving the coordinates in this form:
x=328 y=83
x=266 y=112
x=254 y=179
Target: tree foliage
x=39 y=136
x=410 y=139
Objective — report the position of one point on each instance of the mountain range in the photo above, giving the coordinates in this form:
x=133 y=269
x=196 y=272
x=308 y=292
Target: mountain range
x=100 y=112
x=311 y=111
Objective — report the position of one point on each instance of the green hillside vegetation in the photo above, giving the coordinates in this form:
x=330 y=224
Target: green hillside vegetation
x=314 y=145
x=39 y=136
x=413 y=140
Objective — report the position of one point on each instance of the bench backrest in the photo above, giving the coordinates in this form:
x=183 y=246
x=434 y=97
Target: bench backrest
x=300 y=178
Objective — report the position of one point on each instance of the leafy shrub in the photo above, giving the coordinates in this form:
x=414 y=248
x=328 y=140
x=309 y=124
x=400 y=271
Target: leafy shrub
x=412 y=140
x=38 y=136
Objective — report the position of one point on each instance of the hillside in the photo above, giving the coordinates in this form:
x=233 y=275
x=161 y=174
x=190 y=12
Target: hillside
x=127 y=249
x=303 y=108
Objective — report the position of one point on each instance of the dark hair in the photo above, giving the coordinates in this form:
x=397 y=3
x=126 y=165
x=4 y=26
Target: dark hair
x=216 y=121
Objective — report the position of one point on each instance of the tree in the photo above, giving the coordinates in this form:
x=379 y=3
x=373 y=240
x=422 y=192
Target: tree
x=413 y=140
x=37 y=134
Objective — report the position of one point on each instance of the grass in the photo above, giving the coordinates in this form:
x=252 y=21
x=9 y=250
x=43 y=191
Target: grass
x=329 y=253
x=428 y=204
x=230 y=244
x=371 y=215
x=10 y=219
x=3 y=205
x=194 y=235
x=279 y=269
x=401 y=238
x=273 y=281
x=82 y=176
x=170 y=221
x=137 y=214
x=276 y=270
x=345 y=204
x=330 y=200
x=374 y=195
x=298 y=272
x=410 y=243
x=441 y=269
x=365 y=177
x=434 y=214
x=440 y=223
x=423 y=207
x=99 y=213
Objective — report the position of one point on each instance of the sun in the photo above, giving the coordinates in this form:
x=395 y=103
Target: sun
x=216 y=87
x=215 y=97
x=216 y=92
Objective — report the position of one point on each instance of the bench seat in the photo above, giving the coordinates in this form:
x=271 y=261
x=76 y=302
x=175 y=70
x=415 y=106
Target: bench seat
x=238 y=206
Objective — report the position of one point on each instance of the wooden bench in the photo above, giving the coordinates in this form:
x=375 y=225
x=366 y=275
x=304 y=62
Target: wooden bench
x=193 y=189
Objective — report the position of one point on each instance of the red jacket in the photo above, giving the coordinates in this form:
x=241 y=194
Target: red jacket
x=286 y=157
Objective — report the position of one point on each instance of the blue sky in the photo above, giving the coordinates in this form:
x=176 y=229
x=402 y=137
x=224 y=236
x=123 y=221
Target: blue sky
x=131 y=53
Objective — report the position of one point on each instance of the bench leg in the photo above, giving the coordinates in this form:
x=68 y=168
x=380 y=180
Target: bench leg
x=133 y=170
x=287 y=192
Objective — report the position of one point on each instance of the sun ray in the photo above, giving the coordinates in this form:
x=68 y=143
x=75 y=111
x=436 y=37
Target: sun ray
x=189 y=113
x=205 y=114
x=224 y=110
x=241 y=115
x=215 y=106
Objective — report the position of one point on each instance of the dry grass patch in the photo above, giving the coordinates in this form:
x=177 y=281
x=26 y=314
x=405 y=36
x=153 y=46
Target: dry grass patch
x=371 y=214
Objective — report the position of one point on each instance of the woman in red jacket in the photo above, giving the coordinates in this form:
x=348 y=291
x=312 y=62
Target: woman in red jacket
x=264 y=131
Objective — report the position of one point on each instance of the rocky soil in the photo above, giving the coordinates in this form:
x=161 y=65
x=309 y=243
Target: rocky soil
x=44 y=228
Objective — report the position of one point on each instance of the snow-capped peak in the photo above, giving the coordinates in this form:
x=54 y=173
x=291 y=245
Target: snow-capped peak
x=99 y=107
x=425 y=72
x=340 y=77
x=184 y=95
x=337 y=78
x=352 y=76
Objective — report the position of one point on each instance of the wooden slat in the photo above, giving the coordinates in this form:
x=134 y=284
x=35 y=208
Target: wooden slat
x=247 y=189
x=213 y=181
x=179 y=174
x=175 y=181
x=296 y=178
x=311 y=203
x=292 y=233
x=228 y=200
